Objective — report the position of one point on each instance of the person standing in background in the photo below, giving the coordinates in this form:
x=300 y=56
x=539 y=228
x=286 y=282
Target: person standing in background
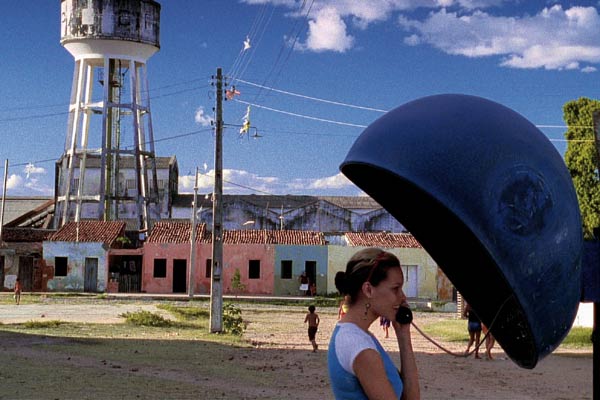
x=17 y=291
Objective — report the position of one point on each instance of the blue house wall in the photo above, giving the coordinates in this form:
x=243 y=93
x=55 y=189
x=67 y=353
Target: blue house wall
x=76 y=253
x=299 y=255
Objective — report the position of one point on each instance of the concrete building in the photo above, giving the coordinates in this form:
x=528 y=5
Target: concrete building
x=79 y=254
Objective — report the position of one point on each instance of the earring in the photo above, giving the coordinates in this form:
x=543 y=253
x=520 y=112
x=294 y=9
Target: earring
x=367 y=306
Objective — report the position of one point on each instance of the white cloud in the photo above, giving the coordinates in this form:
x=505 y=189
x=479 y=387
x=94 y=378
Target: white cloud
x=243 y=182
x=327 y=32
x=338 y=181
x=14 y=182
x=17 y=185
x=31 y=169
x=201 y=118
x=555 y=38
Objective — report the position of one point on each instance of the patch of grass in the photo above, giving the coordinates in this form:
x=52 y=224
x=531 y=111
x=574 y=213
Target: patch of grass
x=578 y=338
x=451 y=330
x=185 y=313
x=456 y=331
x=43 y=324
x=146 y=318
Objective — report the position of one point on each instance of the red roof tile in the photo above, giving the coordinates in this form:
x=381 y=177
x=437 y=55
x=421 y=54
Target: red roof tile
x=382 y=239
x=179 y=232
x=175 y=232
x=248 y=236
x=89 y=231
x=25 y=234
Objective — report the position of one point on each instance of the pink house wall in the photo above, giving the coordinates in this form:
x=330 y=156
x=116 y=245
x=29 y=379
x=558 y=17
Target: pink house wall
x=235 y=256
x=168 y=251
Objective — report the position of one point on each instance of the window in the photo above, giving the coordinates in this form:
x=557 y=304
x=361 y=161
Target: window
x=254 y=269
x=130 y=184
x=160 y=268
x=60 y=266
x=208 y=267
x=286 y=269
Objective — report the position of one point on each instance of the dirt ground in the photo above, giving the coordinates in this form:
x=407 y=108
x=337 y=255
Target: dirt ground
x=280 y=364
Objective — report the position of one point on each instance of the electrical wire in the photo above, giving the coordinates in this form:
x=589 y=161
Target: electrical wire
x=295 y=33
x=300 y=115
x=439 y=346
x=312 y=98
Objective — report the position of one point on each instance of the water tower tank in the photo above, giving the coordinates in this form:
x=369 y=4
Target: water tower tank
x=108 y=168
x=116 y=27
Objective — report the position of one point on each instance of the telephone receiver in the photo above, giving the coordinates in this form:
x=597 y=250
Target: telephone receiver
x=404 y=315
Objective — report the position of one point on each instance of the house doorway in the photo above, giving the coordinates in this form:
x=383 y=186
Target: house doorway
x=411 y=282
x=26 y=273
x=127 y=270
x=179 y=276
x=90 y=278
x=311 y=272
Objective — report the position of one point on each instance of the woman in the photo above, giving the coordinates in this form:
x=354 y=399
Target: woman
x=359 y=367
x=474 y=328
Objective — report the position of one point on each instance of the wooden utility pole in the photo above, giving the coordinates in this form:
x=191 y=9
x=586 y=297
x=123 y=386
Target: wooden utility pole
x=193 y=241
x=216 y=287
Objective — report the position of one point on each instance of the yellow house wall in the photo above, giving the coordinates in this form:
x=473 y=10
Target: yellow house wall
x=427 y=269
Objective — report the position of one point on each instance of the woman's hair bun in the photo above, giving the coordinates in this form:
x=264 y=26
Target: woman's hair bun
x=340 y=282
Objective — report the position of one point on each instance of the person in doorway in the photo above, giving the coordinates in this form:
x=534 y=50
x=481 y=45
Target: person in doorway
x=313 y=289
x=313 y=325
x=359 y=367
x=304 y=281
x=17 y=291
x=474 y=328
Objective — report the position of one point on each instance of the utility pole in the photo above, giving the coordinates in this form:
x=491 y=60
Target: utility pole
x=216 y=287
x=3 y=198
x=193 y=241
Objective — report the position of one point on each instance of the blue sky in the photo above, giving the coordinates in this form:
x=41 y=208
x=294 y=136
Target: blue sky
x=316 y=73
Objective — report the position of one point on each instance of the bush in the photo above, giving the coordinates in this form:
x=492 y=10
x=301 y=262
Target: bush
x=42 y=324
x=146 y=318
x=232 y=320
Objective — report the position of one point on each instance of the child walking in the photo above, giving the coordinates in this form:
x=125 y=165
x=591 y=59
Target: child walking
x=17 y=291
x=313 y=325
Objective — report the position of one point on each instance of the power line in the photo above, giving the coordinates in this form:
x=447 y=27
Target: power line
x=313 y=98
x=300 y=115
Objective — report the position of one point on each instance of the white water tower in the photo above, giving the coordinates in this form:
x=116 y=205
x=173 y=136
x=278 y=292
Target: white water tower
x=108 y=168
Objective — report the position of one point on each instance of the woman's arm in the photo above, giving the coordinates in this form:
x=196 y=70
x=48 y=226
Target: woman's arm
x=369 y=369
x=408 y=369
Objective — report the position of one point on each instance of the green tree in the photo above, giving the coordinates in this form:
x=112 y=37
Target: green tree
x=581 y=158
x=236 y=282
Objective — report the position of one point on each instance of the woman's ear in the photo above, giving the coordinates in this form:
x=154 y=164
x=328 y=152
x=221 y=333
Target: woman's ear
x=367 y=289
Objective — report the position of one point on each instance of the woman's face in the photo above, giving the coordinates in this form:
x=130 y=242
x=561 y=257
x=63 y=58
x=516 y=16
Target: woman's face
x=388 y=295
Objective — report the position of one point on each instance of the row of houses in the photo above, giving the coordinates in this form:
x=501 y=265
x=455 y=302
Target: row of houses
x=98 y=256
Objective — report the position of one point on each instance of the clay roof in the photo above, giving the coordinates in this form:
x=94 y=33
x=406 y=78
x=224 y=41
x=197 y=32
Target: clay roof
x=25 y=234
x=382 y=239
x=175 y=232
x=178 y=231
x=89 y=231
x=305 y=238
